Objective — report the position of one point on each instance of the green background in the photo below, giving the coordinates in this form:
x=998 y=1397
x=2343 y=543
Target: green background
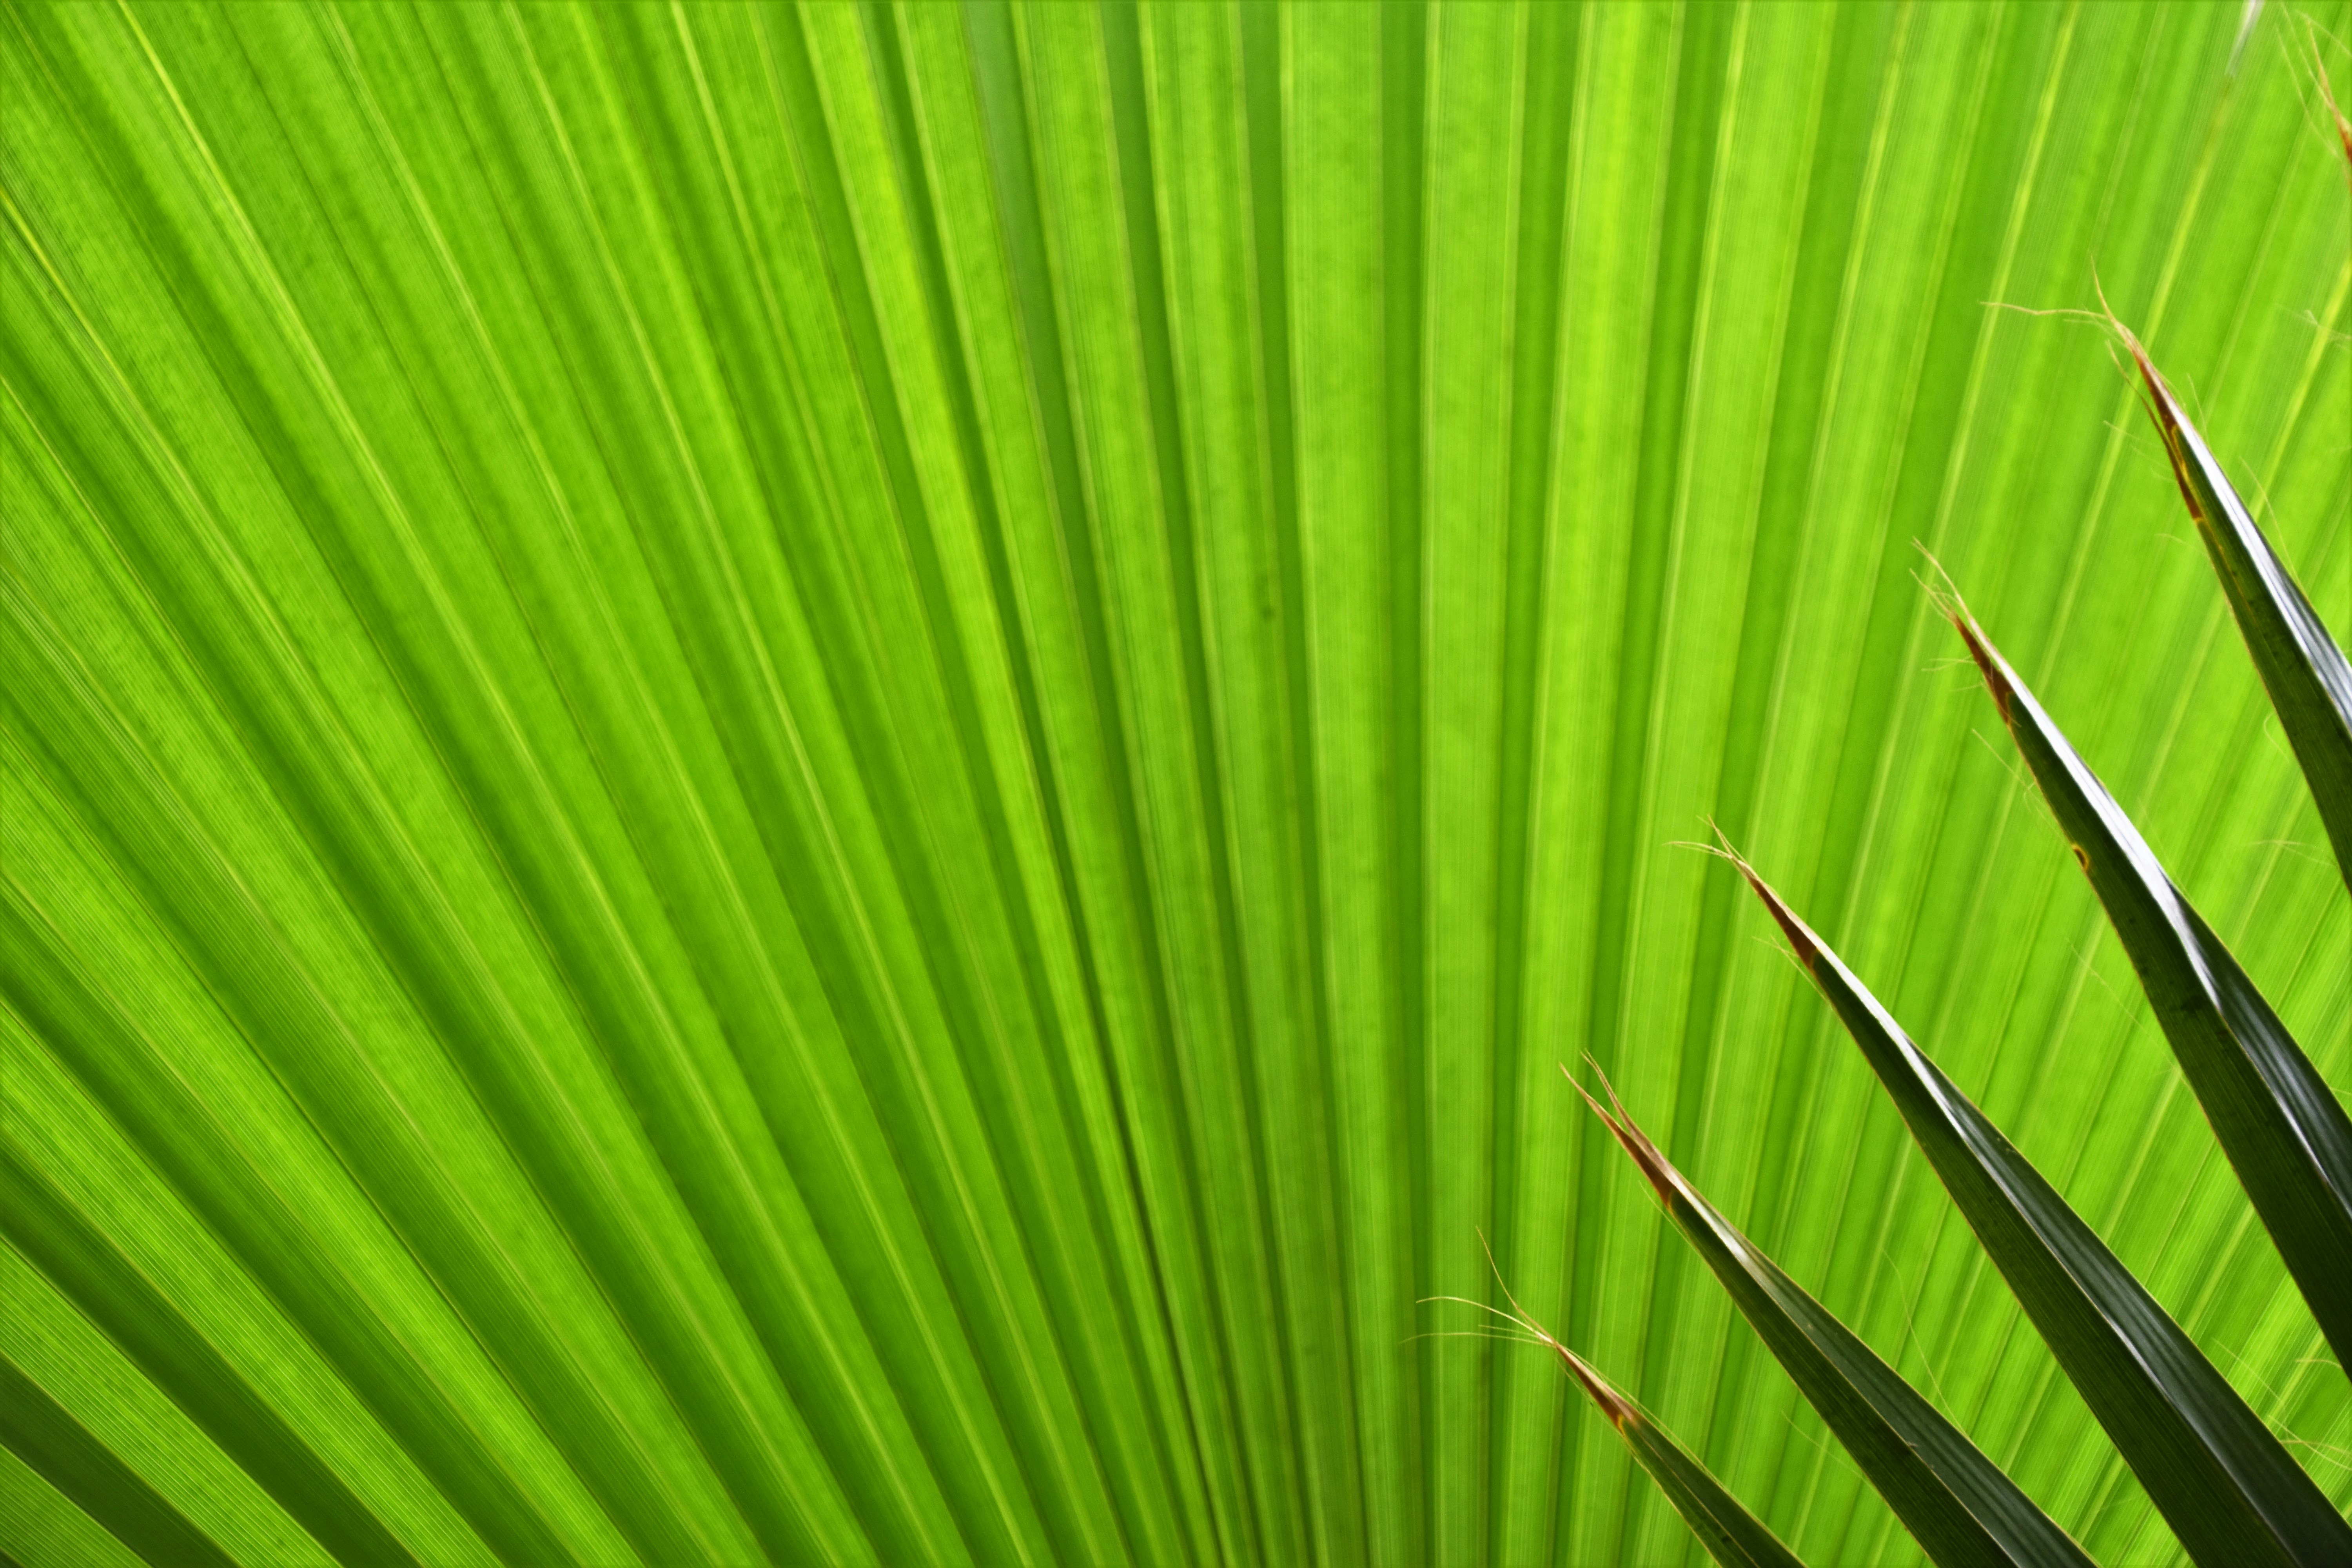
x=837 y=783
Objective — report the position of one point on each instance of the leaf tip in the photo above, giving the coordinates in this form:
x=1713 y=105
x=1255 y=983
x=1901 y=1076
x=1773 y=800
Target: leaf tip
x=1663 y=1178
x=1945 y=595
x=1800 y=937
x=1988 y=663
x=2164 y=409
x=2328 y=92
x=1612 y=1404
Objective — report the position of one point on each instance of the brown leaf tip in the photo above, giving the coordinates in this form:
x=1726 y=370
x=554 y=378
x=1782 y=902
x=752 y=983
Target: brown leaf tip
x=1663 y=1178
x=1988 y=663
x=1800 y=938
x=1945 y=597
x=2165 y=410
x=1612 y=1404
x=2327 y=92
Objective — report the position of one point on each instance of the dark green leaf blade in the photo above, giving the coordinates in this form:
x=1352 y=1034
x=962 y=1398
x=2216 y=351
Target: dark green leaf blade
x=114 y=1496
x=1955 y=1501
x=2309 y=681
x=2230 y=1490
x=2281 y=1125
x=1732 y=1536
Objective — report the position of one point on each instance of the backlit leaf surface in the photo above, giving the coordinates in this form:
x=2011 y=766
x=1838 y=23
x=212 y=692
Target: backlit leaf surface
x=833 y=784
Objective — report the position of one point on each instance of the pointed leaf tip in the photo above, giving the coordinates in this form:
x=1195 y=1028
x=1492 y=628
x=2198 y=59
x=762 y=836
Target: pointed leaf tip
x=1730 y=1533
x=1955 y=1502
x=1800 y=936
x=1989 y=664
x=2165 y=410
x=1663 y=1178
x=2230 y=1490
x=1612 y=1404
x=2327 y=95
x=2303 y=669
x=2274 y=1113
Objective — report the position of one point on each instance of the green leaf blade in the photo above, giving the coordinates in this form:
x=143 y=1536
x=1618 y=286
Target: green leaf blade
x=1955 y=1501
x=828 y=783
x=2228 y=1488
x=1732 y=1536
x=2308 y=679
x=2282 y=1128
x=47 y=1442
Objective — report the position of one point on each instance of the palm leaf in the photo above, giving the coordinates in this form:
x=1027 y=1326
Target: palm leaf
x=2232 y=1491
x=1955 y=1502
x=2309 y=682
x=92 y=1501
x=2281 y=1125
x=830 y=783
x=1732 y=1536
